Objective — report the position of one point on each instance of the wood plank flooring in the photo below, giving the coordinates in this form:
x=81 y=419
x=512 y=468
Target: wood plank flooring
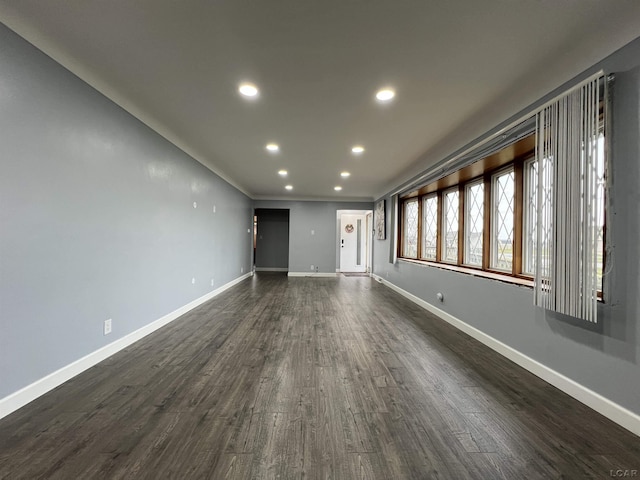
x=332 y=378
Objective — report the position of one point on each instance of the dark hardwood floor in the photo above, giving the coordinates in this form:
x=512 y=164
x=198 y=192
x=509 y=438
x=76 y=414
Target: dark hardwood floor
x=310 y=378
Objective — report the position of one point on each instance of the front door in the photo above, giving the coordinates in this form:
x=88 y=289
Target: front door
x=352 y=243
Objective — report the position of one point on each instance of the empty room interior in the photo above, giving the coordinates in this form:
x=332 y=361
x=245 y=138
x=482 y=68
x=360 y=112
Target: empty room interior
x=319 y=239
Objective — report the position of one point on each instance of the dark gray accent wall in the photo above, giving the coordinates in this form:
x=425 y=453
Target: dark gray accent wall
x=97 y=220
x=272 y=239
x=313 y=232
x=605 y=358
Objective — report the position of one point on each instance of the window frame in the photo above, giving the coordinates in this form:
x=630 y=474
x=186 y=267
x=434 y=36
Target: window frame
x=422 y=200
x=403 y=228
x=443 y=229
x=493 y=248
x=467 y=187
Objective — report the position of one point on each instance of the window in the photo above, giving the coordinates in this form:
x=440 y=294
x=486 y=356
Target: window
x=429 y=227
x=531 y=215
x=474 y=223
x=502 y=233
x=410 y=230
x=504 y=215
x=534 y=202
x=600 y=195
x=450 y=226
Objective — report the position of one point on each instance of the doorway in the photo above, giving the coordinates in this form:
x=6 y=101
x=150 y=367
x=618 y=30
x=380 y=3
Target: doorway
x=271 y=240
x=354 y=242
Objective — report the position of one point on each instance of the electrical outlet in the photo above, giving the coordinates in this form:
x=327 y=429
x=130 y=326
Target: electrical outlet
x=241 y=269
x=214 y=209
x=312 y=268
x=193 y=281
x=212 y=282
x=316 y=269
x=106 y=328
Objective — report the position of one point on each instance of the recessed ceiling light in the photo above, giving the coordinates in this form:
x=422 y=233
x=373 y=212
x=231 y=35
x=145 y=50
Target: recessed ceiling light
x=386 y=94
x=289 y=187
x=337 y=188
x=273 y=147
x=282 y=173
x=358 y=149
x=345 y=174
x=248 y=90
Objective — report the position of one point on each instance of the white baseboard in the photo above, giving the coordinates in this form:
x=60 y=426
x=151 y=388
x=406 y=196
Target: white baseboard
x=312 y=274
x=617 y=413
x=271 y=269
x=18 y=399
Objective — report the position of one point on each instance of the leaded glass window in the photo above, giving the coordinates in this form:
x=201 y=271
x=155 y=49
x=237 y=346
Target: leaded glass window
x=450 y=222
x=503 y=216
x=410 y=234
x=474 y=223
x=429 y=227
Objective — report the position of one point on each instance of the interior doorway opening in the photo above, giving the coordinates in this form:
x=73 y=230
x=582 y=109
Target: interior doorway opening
x=271 y=240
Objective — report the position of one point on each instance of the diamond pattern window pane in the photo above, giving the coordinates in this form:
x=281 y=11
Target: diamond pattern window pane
x=600 y=199
x=450 y=238
x=410 y=234
x=531 y=209
x=503 y=213
x=429 y=227
x=530 y=216
x=474 y=224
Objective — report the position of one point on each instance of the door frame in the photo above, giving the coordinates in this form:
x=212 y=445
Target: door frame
x=367 y=237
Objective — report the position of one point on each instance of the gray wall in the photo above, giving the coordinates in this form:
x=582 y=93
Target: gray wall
x=97 y=220
x=604 y=358
x=272 y=242
x=318 y=248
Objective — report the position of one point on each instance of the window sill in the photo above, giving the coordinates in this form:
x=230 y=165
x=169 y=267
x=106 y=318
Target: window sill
x=502 y=277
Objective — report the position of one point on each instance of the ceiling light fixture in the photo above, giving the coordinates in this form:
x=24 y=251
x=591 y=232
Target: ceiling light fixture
x=385 y=94
x=273 y=147
x=345 y=174
x=358 y=149
x=248 y=90
x=282 y=173
x=289 y=187
x=337 y=188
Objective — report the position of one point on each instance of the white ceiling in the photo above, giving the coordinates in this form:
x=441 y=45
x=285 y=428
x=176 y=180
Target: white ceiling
x=459 y=67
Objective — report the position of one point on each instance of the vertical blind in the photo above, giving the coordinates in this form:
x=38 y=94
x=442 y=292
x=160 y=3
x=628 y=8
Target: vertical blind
x=568 y=160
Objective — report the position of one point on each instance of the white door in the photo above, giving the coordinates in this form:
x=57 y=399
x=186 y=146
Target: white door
x=353 y=248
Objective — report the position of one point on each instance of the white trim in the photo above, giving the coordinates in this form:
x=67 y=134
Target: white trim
x=16 y=400
x=312 y=274
x=614 y=412
x=302 y=198
x=271 y=269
